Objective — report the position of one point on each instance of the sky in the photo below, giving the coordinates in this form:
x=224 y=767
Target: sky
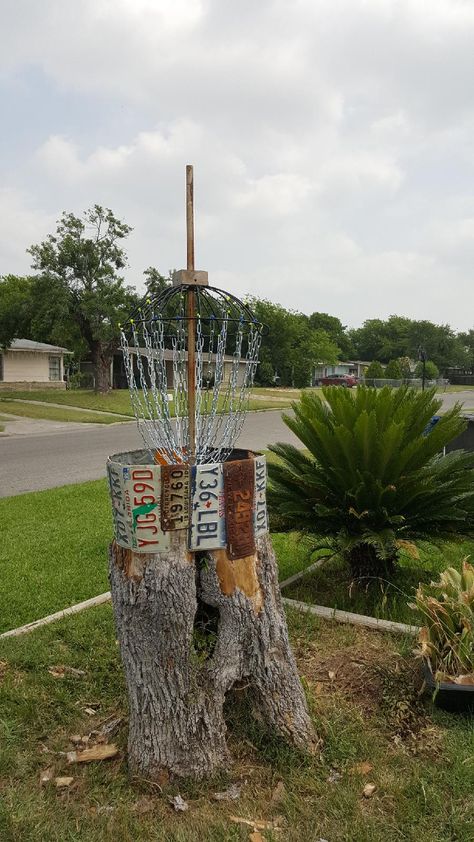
x=332 y=143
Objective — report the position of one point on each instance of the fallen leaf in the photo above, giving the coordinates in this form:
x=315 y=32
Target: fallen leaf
x=278 y=793
x=109 y=727
x=179 y=804
x=75 y=739
x=63 y=783
x=100 y=752
x=143 y=805
x=465 y=679
x=46 y=775
x=369 y=790
x=256 y=836
x=362 y=768
x=331 y=675
x=230 y=794
x=62 y=671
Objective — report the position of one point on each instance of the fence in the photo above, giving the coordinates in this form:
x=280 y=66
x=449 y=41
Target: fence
x=415 y=382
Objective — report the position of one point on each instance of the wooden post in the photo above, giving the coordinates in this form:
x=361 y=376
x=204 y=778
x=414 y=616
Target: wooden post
x=191 y=315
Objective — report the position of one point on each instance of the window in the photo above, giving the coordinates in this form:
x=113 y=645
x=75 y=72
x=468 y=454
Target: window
x=55 y=368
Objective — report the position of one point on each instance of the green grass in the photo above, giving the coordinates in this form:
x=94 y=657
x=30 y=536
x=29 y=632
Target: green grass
x=331 y=584
x=368 y=712
x=53 y=551
x=54 y=546
x=118 y=400
x=53 y=413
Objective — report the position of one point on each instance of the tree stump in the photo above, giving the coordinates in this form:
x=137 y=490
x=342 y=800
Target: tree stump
x=192 y=623
x=178 y=670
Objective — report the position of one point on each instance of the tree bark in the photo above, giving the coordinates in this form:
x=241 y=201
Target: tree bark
x=101 y=360
x=178 y=670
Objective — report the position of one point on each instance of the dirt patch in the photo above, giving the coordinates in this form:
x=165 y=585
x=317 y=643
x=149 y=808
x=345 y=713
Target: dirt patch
x=372 y=676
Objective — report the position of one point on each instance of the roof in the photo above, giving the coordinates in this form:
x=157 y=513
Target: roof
x=37 y=347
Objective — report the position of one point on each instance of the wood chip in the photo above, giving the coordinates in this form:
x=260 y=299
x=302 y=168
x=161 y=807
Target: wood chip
x=362 y=768
x=46 y=776
x=100 y=752
x=278 y=793
x=230 y=794
x=256 y=824
x=179 y=804
x=90 y=711
x=369 y=790
x=331 y=675
x=62 y=671
x=63 y=783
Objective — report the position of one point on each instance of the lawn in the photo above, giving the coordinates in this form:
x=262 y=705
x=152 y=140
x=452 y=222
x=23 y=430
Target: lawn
x=53 y=550
x=60 y=558
x=53 y=413
x=360 y=688
x=118 y=400
x=331 y=584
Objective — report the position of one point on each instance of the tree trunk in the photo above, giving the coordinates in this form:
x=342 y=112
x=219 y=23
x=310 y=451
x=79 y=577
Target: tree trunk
x=190 y=628
x=101 y=360
x=366 y=566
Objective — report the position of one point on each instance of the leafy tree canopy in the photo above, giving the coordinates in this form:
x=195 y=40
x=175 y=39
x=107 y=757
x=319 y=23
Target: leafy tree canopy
x=399 y=336
x=291 y=347
x=79 y=287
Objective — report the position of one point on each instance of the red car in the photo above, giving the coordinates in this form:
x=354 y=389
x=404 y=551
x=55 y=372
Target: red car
x=346 y=380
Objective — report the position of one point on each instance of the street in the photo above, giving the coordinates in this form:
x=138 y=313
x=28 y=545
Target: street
x=44 y=454
x=65 y=456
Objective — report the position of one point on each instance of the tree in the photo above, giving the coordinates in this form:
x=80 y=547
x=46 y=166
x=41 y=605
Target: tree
x=431 y=370
x=393 y=371
x=373 y=478
x=336 y=331
x=375 y=371
x=156 y=283
x=82 y=289
x=290 y=347
x=467 y=342
x=16 y=308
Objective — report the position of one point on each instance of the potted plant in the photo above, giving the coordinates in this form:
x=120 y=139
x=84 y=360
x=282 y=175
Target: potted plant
x=447 y=637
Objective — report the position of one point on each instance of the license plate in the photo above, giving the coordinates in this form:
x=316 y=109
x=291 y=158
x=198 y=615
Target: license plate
x=260 y=513
x=136 y=502
x=207 y=515
x=239 y=488
x=174 y=497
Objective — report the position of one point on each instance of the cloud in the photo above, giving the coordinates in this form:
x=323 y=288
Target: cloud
x=332 y=142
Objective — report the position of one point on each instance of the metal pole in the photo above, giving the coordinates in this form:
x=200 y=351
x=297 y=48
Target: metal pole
x=191 y=314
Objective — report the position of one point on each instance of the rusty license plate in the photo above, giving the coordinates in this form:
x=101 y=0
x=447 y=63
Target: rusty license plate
x=239 y=486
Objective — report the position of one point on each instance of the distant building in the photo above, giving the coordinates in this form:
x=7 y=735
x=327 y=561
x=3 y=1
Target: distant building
x=355 y=368
x=32 y=365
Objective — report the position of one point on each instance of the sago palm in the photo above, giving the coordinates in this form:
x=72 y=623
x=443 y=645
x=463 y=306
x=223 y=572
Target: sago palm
x=373 y=478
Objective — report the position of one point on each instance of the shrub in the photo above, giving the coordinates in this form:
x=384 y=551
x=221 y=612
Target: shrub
x=393 y=370
x=447 y=609
x=375 y=370
x=431 y=370
x=372 y=482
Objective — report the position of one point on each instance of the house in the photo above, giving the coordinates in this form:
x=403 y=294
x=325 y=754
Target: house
x=355 y=368
x=119 y=377
x=26 y=364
